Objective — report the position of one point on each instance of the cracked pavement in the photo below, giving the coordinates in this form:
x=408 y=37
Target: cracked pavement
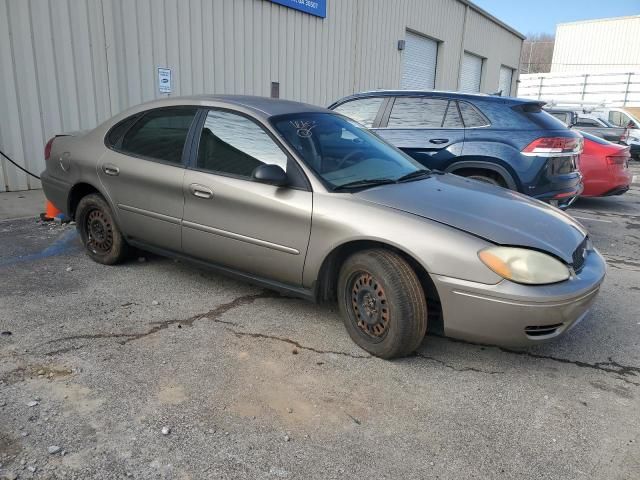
x=256 y=385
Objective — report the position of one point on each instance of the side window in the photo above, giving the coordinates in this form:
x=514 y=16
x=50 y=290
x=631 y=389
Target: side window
x=234 y=145
x=412 y=112
x=587 y=122
x=159 y=134
x=616 y=118
x=116 y=132
x=471 y=116
x=363 y=111
x=452 y=119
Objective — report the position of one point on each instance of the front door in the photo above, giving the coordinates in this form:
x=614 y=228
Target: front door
x=233 y=221
x=142 y=173
x=428 y=129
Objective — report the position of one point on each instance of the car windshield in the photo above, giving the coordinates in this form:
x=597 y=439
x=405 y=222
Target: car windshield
x=344 y=153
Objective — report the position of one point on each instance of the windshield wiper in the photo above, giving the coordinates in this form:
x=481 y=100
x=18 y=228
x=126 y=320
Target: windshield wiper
x=364 y=183
x=414 y=175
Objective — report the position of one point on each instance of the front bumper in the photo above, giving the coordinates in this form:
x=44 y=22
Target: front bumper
x=511 y=314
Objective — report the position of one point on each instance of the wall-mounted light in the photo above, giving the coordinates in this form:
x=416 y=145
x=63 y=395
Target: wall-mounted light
x=401 y=44
x=275 y=89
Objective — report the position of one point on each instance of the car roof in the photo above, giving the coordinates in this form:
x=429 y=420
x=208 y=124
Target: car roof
x=440 y=94
x=260 y=106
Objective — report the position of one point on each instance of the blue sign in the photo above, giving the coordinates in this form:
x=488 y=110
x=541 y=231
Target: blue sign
x=314 y=7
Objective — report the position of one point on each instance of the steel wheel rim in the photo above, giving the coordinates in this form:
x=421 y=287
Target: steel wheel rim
x=369 y=306
x=99 y=232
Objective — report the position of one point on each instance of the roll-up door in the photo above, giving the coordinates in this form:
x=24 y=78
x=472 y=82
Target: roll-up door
x=504 y=84
x=419 y=64
x=470 y=73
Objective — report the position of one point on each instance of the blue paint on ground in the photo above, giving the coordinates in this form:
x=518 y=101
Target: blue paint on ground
x=63 y=244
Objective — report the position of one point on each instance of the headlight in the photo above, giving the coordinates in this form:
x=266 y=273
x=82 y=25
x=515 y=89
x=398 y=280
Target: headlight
x=522 y=265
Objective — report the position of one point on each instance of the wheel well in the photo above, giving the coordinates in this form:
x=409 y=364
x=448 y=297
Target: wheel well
x=466 y=172
x=79 y=191
x=327 y=284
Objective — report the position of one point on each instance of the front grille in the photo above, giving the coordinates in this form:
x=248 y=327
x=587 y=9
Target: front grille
x=541 y=330
x=579 y=256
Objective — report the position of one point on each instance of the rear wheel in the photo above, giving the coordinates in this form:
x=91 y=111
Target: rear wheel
x=485 y=176
x=382 y=303
x=99 y=233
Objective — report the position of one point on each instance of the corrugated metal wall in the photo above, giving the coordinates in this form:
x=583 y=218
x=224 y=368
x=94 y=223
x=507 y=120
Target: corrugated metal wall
x=606 y=45
x=69 y=65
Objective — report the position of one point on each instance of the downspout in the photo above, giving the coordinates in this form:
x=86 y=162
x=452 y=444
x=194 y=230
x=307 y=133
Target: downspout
x=461 y=55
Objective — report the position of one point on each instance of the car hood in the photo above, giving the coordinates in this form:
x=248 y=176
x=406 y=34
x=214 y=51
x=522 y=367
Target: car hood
x=496 y=214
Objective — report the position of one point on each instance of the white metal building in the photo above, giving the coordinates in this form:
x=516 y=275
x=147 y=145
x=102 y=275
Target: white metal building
x=70 y=64
x=606 y=45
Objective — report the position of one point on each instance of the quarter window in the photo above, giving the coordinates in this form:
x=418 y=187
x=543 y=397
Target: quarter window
x=234 y=145
x=363 y=111
x=471 y=116
x=159 y=134
x=408 y=112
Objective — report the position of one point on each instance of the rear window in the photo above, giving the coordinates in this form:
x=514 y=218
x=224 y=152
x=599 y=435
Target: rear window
x=535 y=114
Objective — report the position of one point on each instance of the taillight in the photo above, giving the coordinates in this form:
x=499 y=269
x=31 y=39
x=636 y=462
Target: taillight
x=47 y=148
x=616 y=159
x=554 y=147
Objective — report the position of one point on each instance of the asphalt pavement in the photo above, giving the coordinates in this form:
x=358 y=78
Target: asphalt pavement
x=156 y=369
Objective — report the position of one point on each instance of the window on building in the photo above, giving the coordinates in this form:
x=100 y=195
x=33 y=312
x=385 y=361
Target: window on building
x=160 y=134
x=416 y=112
x=363 y=110
x=471 y=116
x=234 y=145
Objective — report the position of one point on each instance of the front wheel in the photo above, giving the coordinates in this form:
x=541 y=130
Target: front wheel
x=382 y=303
x=99 y=233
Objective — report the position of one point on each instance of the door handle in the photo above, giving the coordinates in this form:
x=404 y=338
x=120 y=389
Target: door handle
x=200 y=191
x=438 y=141
x=110 y=169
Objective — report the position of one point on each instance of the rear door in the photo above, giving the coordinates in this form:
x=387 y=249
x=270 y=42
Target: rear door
x=233 y=221
x=142 y=173
x=428 y=129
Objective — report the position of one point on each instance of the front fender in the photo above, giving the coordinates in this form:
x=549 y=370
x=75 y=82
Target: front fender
x=440 y=249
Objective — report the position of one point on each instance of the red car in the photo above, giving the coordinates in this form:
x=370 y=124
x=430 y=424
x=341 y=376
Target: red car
x=604 y=166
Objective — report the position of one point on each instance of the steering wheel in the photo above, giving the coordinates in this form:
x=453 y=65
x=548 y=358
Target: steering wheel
x=347 y=157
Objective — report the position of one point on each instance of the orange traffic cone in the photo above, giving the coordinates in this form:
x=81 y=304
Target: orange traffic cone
x=50 y=213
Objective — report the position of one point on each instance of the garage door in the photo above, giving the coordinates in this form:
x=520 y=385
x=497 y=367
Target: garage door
x=419 y=64
x=504 y=84
x=471 y=73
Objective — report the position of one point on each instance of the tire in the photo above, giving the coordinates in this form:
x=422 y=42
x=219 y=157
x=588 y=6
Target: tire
x=485 y=179
x=99 y=233
x=382 y=303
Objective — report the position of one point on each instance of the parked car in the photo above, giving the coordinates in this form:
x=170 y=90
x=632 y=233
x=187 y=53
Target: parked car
x=627 y=117
x=590 y=123
x=604 y=166
x=503 y=141
x=303 y=200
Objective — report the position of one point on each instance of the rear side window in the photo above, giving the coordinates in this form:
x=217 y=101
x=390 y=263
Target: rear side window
x=471 y=116
x=115 y=134
x=414 y=112
x=363 y=110
x=159 y=135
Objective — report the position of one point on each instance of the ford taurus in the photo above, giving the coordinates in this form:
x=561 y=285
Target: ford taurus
x=304 y=200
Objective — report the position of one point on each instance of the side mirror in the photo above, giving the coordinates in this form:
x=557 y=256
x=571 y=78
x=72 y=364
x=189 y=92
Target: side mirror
x=270 y=174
